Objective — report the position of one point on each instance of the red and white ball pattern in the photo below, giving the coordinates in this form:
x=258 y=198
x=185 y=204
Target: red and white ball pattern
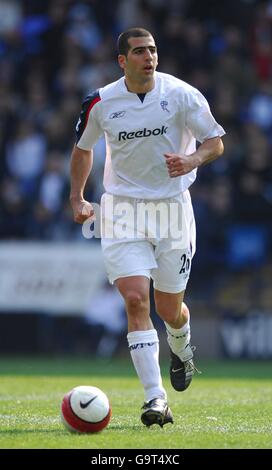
x=85 y=409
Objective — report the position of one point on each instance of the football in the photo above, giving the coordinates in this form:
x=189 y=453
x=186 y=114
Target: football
x=85 y=409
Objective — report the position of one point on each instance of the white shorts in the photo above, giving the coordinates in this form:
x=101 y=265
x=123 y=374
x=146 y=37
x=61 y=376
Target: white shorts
x=154 y=238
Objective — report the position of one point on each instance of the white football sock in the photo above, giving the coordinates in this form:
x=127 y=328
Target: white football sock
x=178 y=338
x=144 y=350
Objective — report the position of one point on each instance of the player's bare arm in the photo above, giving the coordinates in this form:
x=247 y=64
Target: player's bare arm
x=208 y=151
x=81 y=165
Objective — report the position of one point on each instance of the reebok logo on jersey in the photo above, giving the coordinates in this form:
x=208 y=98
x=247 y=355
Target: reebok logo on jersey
x=117 y=114
x=143 y=133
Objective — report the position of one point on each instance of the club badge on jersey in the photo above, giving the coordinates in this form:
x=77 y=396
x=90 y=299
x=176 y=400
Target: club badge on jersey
x=164 y=105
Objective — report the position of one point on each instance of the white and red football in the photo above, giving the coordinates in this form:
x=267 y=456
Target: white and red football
x=85 y=409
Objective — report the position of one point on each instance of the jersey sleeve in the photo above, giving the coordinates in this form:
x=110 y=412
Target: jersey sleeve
x=200 y=120
x=88 y=129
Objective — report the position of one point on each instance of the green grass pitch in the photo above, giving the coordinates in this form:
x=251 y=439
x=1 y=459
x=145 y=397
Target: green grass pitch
x=229 y=406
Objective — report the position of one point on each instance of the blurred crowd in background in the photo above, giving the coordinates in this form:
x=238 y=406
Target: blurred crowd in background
x=53 y=53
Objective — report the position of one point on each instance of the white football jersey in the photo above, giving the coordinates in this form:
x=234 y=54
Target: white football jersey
x=170 y=119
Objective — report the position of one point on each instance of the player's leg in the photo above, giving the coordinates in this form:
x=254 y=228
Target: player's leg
x=174 y=258
x=169 y=287
x=128 y=262
x=144 y=348
x=175 y=314
x=135 y=291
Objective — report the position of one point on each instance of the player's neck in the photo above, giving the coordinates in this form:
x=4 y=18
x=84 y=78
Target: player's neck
x=139 y=87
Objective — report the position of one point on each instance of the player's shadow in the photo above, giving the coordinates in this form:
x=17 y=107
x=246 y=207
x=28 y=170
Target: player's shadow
x=29 y=431
x=126 y=427
x=117 y=427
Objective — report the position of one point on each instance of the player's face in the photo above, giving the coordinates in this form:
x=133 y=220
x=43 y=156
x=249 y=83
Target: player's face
x=142 y=58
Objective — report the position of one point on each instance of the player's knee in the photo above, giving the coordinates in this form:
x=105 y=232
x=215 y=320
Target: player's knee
x=172 y=314
x=185 y=310
x=135 y=299
x=168 y=315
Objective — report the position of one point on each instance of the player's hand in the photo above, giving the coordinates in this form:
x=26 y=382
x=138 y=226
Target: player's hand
x=82 y=211
x=179 y=165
